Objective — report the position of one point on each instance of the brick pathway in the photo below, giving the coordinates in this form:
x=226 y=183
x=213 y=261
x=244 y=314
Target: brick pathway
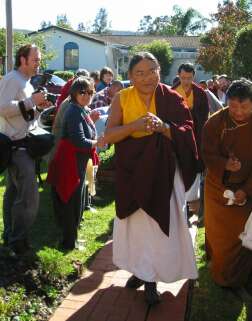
x=100 y=296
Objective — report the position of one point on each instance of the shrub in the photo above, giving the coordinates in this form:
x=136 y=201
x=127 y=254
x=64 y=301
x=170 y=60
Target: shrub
x=107 y=158
x=242 y=58
x=54 y=263
x=10 y=301
x=64 y=74
x=161 y=49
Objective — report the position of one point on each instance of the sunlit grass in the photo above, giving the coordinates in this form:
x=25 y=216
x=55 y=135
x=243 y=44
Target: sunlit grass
x=211 y=302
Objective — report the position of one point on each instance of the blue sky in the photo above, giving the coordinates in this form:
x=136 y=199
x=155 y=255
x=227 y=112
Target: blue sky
x=123 y=14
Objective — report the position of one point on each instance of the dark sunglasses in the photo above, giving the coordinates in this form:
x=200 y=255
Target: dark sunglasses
x=86 y=92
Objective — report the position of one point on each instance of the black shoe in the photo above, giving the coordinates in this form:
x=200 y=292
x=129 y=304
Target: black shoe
x=134 y=282
x=152 y=296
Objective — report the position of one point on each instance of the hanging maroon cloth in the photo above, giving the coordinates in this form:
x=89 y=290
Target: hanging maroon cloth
x=145 y=167
x=63 y=172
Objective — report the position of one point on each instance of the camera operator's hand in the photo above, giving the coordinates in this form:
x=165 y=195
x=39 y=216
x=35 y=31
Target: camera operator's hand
x=39 y=99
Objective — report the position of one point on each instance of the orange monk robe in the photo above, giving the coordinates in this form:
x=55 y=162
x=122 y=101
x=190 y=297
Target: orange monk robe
x=225 y=223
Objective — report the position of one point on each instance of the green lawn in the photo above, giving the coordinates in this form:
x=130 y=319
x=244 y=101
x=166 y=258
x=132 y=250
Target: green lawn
x=211 y=302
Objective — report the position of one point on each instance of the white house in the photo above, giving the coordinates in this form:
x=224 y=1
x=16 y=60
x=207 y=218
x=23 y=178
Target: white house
x=74 y=49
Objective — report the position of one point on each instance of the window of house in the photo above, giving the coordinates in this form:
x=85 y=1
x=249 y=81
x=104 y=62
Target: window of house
x=71 y=56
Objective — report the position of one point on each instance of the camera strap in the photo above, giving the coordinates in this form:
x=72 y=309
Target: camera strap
x=28 y=115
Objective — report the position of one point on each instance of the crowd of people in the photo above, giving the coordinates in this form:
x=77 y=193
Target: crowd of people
x=177 y=147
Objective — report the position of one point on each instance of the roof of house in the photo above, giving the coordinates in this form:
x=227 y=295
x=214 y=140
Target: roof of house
x=192 y=42
x=73 y=32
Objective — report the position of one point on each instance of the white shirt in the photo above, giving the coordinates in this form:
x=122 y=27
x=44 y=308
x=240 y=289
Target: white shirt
x=13 y=88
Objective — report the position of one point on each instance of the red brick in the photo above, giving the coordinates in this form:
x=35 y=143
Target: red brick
x=101 y=295
x=118 y=314
x=170 y=308
x=139 y=308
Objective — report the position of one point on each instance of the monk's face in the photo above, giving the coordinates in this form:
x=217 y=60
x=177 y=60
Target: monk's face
x=145 y=76
x=186 y=79
x=240 y=111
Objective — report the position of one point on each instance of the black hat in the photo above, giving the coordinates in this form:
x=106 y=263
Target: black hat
x=5 y=152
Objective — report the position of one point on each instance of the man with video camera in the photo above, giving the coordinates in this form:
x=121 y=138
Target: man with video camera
x=19 y=111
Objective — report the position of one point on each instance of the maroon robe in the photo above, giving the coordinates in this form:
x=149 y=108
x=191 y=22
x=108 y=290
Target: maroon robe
x=145 y=167
x=200 y=112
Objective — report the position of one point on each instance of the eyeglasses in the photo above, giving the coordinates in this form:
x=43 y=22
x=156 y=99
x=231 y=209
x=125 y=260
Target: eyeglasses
x=86 y=92
x=150 y=73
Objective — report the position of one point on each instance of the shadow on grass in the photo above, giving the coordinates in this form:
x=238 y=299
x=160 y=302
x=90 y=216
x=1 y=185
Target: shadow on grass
x=45 y=231
x=211 y=302
x=105 y=194
x=101 y=238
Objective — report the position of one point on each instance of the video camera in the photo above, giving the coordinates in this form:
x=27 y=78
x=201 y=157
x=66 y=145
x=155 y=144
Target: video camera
x=49 y=96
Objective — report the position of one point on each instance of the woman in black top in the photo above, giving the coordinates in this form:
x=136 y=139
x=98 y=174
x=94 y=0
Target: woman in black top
x=68 y=168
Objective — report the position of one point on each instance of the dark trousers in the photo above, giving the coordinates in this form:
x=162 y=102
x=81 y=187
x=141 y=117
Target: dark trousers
x=21 y=198
x=69 y=214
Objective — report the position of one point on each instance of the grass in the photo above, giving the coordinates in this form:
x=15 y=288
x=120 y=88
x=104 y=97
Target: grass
x=95 y=229
x=211 y=302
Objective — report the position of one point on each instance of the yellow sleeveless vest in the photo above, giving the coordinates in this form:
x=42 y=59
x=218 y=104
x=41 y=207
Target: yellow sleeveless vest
x=133 y=108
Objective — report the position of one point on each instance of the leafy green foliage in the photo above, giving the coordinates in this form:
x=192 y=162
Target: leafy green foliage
x=63 y=22
x=50 y=291
x=218 y=44
x=180 y=22
x=242 y=58
x=161 y=49
x=64 y=74
x=10 y=301
x=54 y=263
x=101 y=22
x=20 y=39
x=107 y=158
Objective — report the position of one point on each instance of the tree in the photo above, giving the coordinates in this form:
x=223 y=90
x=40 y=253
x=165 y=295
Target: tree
x=187 y=22
x=20 y=39
x=180 y=23
x=157 y=26
x=101 y=22
x=244 y=5
x=242 y=58
x=81 y=27
x=44 y=24
x=63 y=22
x=161 y=49
x=215 y=54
